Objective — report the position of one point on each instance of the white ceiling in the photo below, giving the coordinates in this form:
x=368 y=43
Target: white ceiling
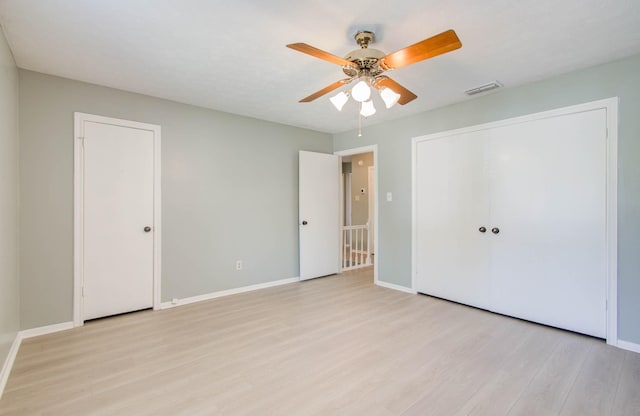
x=231 y=56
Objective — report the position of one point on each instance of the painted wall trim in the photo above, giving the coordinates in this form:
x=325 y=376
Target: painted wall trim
x=611 y=107
x=393 y=286
x=17 y=341
x=44 y=330
x=629 y=346
x=78 y=186
x=376 y=226
x=228 y=292
x=8 y=362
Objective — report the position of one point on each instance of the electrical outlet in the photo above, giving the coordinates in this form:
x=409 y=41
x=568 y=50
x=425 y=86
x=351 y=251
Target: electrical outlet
x=238 y=264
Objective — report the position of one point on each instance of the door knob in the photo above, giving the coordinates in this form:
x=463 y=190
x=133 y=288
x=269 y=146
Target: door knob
x=147 y=229
x=482 y=229
x=304 y=223
x=495 y=230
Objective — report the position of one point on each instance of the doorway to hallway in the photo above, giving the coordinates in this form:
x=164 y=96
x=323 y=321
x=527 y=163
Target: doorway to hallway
x=358 y=208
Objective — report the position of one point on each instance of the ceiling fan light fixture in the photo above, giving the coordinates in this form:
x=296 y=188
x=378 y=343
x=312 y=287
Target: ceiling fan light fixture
x=339 y=100
x=361 y=92
x=367 y=109
x=389 y=96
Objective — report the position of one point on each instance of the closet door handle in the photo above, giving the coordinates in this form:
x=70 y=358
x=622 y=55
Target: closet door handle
x=482 y=229
x=495 y=230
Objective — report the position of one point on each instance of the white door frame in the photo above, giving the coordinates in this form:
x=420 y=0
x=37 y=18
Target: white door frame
x=78 y=206
x=347 y=201
x=369 y=149
x=371 y=171
x=611 y=107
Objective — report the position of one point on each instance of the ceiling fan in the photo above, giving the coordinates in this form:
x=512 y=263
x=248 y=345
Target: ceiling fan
x=367 y=65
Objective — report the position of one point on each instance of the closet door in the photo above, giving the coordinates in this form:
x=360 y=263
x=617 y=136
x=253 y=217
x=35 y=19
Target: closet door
x=452 y=255
x=118 y=219
x=547 y=184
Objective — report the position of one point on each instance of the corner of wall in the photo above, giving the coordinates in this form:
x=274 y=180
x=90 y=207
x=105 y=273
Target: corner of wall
x=9 y=209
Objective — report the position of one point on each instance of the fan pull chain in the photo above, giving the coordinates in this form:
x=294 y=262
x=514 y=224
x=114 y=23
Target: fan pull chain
x=360 y=122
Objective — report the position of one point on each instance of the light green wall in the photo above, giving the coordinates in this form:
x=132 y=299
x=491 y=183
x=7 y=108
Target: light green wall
x=619 y=78
x=229 y=192
x=9 y=278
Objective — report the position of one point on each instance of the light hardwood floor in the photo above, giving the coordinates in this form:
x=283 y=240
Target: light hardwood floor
x=331 y=346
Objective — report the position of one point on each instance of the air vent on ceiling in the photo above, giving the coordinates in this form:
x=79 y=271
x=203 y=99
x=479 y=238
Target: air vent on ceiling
x=483 y=88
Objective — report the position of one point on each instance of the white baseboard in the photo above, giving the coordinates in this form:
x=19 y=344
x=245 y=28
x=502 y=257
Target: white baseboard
x=44 y=330
x=8 y=362
x=395 y=287
x=235 y=291
x=15 y=346
x=629 y=346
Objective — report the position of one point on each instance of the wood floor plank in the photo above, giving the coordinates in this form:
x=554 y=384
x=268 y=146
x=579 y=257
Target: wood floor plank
x=548 y=389
x=452 y=385
x=627 y=401
x=416 y=370
x=595 y=387
x=505 y=382
x=331 y=346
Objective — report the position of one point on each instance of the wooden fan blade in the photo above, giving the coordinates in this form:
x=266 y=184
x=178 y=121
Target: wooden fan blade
x=406 y=96
x=428 y=48
x=319 y=53
x=325 y=90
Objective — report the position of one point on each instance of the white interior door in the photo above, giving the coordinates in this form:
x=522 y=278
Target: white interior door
x=319 y=214
x=539 y=187
x=548 y=201
x=452 y=259
x=118 y=204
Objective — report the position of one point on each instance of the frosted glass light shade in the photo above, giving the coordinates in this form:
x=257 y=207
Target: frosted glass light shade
x=339 y=100
x=361 y=91
x=367 y=109
x=389 y=97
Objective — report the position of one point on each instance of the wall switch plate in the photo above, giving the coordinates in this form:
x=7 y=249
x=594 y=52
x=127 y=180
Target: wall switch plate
x=389 y=197
x=239 y=265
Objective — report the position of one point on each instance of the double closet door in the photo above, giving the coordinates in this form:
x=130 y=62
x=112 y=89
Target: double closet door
x=513 y=219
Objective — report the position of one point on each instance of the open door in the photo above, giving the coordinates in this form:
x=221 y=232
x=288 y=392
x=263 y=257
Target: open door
x=319 y=214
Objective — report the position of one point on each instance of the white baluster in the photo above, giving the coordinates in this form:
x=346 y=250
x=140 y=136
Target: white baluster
x=351 y=243
x=360 y=251
x=368 y=246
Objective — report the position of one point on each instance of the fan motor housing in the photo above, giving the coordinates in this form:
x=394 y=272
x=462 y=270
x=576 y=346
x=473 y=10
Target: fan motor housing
x=364 y=58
